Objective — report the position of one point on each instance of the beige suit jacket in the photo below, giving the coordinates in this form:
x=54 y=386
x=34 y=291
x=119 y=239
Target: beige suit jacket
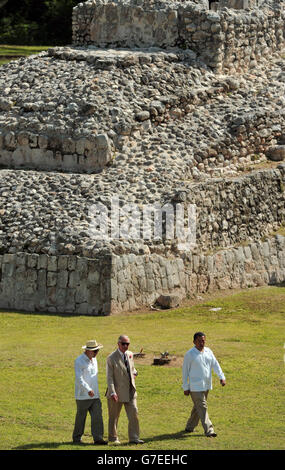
x=118 y=380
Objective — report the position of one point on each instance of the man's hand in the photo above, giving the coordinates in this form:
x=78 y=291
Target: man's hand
x=186 y=392
x=222 y=382
x=91 y=393
x=114 y=397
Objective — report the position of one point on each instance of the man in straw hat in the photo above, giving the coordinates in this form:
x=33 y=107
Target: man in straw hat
x=87 y=394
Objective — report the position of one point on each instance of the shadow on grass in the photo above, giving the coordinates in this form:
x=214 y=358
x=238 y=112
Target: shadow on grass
x=55 y=445
x=44 y=313
x=51 y=445
x=177 y=435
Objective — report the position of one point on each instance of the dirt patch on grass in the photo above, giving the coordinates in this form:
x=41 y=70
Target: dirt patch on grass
x=176 y=361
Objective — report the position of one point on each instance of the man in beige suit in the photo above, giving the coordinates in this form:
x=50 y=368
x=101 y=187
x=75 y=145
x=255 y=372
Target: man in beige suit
x=121 y=390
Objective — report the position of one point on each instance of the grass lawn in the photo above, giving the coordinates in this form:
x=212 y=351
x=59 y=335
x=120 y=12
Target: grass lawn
x=246 y=333
x=8 y=53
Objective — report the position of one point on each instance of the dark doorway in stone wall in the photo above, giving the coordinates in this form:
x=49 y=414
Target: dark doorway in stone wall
x=213 y=4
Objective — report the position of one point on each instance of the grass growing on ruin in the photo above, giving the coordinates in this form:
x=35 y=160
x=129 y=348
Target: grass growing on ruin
x=8 y=53
x=245 y=331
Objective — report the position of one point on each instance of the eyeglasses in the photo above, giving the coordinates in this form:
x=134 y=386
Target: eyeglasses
x=124 y=344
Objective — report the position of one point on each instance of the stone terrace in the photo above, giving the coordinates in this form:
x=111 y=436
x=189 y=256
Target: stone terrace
x=82 y=124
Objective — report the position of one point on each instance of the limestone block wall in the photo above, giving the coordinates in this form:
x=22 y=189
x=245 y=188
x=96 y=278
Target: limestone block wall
x=242 y=139
x=62 y=283
x=133 y=25
x=78 y=285
x=29 y=150
x=233 y=40
x=235 y=249
x=233 y=210
x=141 y=279
x=226 y=39
x=124 y=23
x=237 y=4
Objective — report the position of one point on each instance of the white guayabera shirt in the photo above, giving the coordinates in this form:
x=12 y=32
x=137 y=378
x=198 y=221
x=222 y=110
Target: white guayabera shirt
x=197 y=370
x=86 y=377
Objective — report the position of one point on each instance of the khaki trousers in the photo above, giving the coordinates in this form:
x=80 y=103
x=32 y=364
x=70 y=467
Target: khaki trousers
x=200 y=411
x=114 y=409
x=94 y=407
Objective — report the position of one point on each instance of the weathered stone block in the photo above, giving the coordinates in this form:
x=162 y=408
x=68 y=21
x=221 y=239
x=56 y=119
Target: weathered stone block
x=52 y=263
x=71 y=263
x=168 y=301
x=93 y=278
x=277 y=153
x=62 y=279
x=51 y=279
x=43 y=262
x=62 y=262
x=74 y=279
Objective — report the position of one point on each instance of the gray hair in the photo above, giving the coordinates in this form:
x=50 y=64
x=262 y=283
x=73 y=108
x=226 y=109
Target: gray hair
x=121 y=337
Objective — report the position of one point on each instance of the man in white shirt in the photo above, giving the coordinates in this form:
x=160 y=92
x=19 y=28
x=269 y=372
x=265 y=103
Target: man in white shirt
x=87 y=394
x=197 y=381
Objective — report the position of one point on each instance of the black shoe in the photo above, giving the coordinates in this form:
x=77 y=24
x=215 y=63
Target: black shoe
x=100 y=442
x=188 y=430
x=213 y=434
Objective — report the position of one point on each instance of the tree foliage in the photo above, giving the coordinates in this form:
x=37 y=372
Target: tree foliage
x=36 y=22
x=3 y=2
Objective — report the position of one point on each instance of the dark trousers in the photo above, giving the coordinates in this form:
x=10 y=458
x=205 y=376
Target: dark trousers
x=94 y=407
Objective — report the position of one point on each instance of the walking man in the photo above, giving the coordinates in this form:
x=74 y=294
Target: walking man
x=87 y=394
x=197 y=381
x=121 y=390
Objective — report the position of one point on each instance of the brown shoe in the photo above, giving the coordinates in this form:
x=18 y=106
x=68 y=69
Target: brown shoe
x=115 y=443
x=137 y=441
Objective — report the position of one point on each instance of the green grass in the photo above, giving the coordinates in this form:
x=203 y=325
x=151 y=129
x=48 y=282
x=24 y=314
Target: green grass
x=37 y=406
x=8 y=53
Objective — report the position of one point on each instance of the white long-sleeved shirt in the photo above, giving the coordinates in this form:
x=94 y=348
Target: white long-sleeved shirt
x=86 y=377
x=197 y=370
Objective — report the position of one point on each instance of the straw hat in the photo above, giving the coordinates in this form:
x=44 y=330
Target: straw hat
x=92 y=345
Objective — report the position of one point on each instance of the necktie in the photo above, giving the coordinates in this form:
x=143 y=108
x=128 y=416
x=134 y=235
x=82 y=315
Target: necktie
x=129 y=374
x=127 y=365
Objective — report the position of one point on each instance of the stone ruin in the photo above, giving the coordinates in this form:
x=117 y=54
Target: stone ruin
x=227 y=39
x=155 y=103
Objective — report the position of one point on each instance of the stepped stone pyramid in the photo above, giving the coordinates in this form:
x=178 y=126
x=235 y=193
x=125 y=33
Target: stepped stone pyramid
x=160 y=106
